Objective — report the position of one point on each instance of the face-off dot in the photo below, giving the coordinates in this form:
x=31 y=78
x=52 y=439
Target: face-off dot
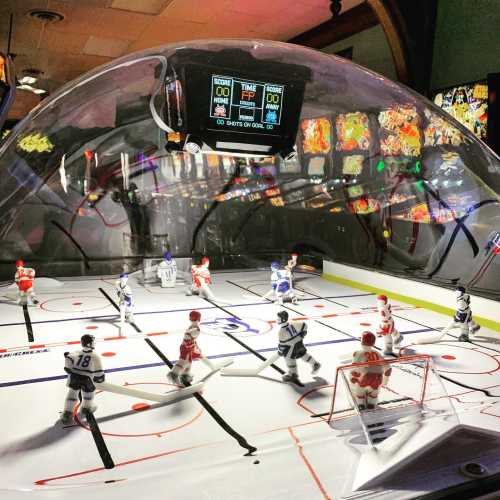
x=77 y=303
x=365 y=324
x=448 y=357
x=108 y=354
x=319 y=305
x=141 y=407
x=91 y=328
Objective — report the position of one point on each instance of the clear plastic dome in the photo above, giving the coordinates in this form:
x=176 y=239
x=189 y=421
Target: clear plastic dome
x=96 y=177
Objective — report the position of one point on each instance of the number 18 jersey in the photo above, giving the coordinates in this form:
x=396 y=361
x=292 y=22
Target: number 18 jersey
x=86 y=363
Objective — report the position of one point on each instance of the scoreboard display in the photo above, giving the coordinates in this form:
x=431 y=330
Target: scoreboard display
x=246 y=105
x=230 y=101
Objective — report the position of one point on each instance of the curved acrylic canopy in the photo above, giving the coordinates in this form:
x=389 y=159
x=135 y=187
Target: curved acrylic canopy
x=91 y=179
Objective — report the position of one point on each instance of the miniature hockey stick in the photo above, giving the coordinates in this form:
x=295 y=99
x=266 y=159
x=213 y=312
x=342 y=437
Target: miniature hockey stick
x=249 y=372
x=99 y=440
x=432 y=337
x=170 y=397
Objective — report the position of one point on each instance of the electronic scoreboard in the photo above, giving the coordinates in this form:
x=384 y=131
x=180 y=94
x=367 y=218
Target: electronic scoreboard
x=229 y=101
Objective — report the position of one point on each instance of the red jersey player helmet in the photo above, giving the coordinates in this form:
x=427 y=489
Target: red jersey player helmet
x=382 y=298
x=368 y=339
x=19 y=263
x=205 y=261
x=194 y=316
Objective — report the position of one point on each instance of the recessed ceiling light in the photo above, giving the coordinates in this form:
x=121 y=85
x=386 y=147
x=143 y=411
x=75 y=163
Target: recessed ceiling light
x=39 y=91
x=45 y=16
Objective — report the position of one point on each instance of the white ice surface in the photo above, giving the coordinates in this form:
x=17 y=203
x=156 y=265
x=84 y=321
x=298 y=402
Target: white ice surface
x=179 y=451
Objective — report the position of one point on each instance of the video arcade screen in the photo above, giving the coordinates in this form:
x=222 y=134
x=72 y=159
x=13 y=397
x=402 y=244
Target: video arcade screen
x=468 y=104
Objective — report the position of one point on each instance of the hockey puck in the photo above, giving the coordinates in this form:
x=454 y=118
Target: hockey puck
x=256 y=462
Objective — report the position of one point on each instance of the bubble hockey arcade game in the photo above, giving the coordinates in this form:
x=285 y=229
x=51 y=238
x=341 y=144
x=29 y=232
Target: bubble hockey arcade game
x=244 y=153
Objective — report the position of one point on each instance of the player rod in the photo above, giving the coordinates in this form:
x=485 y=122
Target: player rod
x=99 y=440
x=27 y=320
x=117 y=307
x=242 y=344
x=214 y=414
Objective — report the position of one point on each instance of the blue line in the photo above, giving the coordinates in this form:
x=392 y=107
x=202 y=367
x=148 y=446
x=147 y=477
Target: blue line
x=170 y=311
x=215 y=356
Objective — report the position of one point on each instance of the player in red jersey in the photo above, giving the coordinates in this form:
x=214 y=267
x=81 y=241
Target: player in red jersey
x=25 y=278
x=366 y=380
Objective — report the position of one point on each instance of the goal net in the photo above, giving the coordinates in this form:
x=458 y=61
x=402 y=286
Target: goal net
x=150 y=267
x=405 y=387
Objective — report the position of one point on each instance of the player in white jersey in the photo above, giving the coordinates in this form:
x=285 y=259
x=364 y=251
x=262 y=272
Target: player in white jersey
x=125 y=299
x=83 y=368
x=463 y=316
x=281 y=284
x=167 y=271
x=291 y=347
x=366 y=380
x=386 y=327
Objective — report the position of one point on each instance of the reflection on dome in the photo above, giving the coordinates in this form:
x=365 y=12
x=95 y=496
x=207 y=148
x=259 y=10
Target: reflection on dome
x=191 y=147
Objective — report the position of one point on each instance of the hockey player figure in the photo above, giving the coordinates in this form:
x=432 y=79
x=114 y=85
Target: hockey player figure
x=463 y=316
x=281 y=284
x=83 y=368
x=201 y=280
x=189 y=351
x=167 y=271
x=386 y=326
x=24 y=278
x=291 y=347
x=366 y=380
x=125 y=299
x=290 y=266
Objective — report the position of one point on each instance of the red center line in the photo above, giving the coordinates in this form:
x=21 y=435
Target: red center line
x=75 y=342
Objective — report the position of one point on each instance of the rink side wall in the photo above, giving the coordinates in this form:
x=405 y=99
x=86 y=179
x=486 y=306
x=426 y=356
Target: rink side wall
x=486 y=312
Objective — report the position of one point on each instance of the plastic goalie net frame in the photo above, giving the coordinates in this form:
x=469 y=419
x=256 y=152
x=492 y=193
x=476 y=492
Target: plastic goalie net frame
x=417 y=366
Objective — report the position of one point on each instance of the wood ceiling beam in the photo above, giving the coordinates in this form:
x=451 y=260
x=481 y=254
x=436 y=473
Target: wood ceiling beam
x=353 y=21
x=393 y=26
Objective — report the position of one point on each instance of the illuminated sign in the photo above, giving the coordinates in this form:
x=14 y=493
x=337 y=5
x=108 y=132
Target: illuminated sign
x=245 y=104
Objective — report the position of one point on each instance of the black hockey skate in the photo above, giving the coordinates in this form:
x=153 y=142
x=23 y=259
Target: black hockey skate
x=291 y=377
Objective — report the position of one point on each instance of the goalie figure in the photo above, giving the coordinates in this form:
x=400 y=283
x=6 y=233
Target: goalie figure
x=125 y=299
x=201 y=280
x=83 y=368
x=167 y=271
x=24 y=278
x=291 y=347
x=281 y=286
x=386 y=326
x=189 y=352
x=463 y=316
x=366 y=380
